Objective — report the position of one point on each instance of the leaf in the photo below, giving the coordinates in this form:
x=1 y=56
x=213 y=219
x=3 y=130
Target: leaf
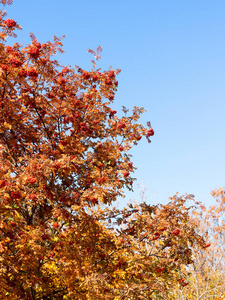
x=99 y=50
x=93 y=63
x=91 y=51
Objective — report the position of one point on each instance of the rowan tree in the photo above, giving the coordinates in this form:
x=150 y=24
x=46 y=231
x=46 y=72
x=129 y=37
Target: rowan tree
x=63 y=161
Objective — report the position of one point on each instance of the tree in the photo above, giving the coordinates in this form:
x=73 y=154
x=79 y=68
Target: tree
x=207 y=277
x=63 y=162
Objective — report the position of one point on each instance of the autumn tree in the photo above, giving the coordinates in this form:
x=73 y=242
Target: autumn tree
x=207 y=273
x=63 y=161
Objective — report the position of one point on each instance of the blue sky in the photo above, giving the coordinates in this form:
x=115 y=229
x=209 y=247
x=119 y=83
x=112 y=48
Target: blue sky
x=172 y=56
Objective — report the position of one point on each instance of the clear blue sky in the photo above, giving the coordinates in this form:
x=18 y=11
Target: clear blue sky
x=172 y=56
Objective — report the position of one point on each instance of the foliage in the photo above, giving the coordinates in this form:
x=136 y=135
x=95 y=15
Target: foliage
x=207 y=280
x=63 y=162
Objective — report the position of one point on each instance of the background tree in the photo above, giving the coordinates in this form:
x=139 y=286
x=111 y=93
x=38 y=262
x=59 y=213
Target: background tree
x=63 y=161
x=207 y=279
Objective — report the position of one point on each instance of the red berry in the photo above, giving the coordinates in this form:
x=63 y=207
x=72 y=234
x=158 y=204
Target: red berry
x=31 y=180
x=112 y=113
x=95 y=77
x=121 y=125
x=32 y=73
x=150 y=132
x=10 y=23
x=108 y=81
x=176 y=232
x=111 y=74
x=2 y=183
x=126 y=174
x=34 y=52
x=85 y=75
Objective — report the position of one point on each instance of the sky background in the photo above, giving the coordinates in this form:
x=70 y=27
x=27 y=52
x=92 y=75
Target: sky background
x=172 y=57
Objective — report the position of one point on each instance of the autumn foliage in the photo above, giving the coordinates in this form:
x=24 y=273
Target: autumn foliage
x=63 y=162
x=207 y=273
